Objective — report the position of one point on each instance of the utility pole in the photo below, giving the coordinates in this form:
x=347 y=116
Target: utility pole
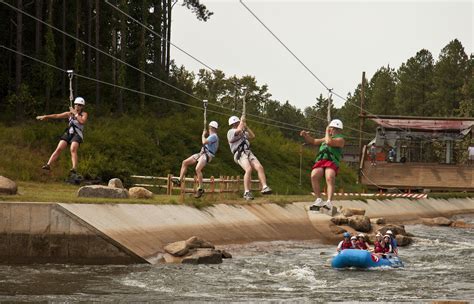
x=361 y=124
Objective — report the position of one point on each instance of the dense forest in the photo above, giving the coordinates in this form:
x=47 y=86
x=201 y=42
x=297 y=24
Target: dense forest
x=121 y=55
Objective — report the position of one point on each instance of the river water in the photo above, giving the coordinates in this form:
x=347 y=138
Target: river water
x=439 y=265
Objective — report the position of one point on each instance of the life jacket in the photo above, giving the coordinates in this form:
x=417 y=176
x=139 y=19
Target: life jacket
x=75 y=127
x=378 y=247
x=362 y=245
x=346 y=245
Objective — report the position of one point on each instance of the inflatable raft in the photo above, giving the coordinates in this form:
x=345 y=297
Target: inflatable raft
x=364 y=259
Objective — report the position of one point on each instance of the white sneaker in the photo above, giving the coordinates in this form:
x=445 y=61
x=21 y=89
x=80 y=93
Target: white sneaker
x=318 y=203
x=328 y=205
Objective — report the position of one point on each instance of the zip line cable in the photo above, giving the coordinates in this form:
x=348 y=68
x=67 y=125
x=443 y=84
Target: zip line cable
x=304 y=65
x=213 y=69
x=143 y=72
x=144 y=93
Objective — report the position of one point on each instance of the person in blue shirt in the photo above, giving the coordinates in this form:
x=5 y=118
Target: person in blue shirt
x=393 y=242
x=392 y=154
x=208 y=151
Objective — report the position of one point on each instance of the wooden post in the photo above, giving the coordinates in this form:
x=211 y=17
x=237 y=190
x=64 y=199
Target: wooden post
x=361 y=124
x=169 y=185
x=238 y=183
x=195 y=183
x=212 y=185
x=183 y=189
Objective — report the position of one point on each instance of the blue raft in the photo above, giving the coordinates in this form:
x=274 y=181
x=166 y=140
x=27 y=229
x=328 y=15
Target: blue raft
x=364 y=259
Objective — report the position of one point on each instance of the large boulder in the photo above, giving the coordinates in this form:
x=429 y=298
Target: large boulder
x=203 y=256
x=336 y=229
x=195 y=242
x=348 y=212
x=461 y=224
x=177 y=248
x=403 y=240
x=378 y=221
x=437 y=221
x=140 y=192
x=102 y=191
x=116 y=183
x=340 y=220
x=194 y=251
x=360 y=223
x=396 y=229
x=7 y=186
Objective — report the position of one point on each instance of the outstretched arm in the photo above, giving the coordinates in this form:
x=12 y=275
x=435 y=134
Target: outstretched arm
x=310 y=140
x=54 y=116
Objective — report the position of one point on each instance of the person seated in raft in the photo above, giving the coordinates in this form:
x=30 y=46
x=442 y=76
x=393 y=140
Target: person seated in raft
x=345 y=243
x=393 y=242
x=387 y=247
x=354 y=242
x=361 y=242
x=378 y=249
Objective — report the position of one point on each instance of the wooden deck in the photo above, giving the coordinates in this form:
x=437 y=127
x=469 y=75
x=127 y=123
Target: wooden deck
x=418 y=176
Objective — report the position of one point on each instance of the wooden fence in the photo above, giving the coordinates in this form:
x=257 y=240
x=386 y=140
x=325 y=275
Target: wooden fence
x=223 y=184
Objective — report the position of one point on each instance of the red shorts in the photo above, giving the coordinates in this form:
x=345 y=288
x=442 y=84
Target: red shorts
x=324 y=163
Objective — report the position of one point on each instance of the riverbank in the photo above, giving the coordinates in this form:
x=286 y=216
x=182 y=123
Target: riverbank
x=137 y=233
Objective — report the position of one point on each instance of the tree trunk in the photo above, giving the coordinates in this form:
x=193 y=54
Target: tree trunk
x=97 y=62
x=157 y=47
x=78 y=53
x=89 y=36
x=18 y=60
x=114 y=63
x=123 y=57
x=38 y=34
x=142 y=52
x=63 y=50
x=168 y=37
x=47 y=46
x=164 y=32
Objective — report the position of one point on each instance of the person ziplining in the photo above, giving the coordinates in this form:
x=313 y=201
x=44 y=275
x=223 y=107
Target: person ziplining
x=208 y=151
x=74 y=133
x=238 y=137
x=327 y=162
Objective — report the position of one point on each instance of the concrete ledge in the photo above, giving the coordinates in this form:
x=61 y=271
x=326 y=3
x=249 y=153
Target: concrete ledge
x=130 y=233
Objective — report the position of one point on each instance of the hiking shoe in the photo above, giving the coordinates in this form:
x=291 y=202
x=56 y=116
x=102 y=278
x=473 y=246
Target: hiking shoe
x=73 y=171
x=46 y=167
x=318 y=203
x=266 y=190
x=328 y=205
x=199 y=193
x=248 y=196
x=176 y=181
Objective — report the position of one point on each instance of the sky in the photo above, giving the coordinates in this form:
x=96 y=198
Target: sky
x=337 y=40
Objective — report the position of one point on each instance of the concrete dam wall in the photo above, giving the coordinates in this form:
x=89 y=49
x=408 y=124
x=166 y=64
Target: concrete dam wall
x=133 y=233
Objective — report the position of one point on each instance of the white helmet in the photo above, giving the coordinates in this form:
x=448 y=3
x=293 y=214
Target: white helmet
x=79 y=101
x=214 y=124
x=361 y=235
x=353 y=237
x=336 y=123
x=233 y=120
x=389 y=232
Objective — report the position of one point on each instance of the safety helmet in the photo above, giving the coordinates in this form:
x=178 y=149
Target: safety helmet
x=336 y=123
x=214 y=124
x=79 y=101
x=389 y=232
x=361 y=235
x=386 y=236
x=353 y=238
x=233 y=120
x=346 y=234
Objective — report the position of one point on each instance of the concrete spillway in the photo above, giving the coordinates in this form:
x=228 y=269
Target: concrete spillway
x=132 y=233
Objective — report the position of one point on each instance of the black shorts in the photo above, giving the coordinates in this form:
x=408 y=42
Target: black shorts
x=69 y=138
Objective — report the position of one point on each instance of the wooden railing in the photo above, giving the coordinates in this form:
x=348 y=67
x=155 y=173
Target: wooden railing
x=223 y=184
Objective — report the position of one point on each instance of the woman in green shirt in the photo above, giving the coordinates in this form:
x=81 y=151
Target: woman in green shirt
x=327 y=162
